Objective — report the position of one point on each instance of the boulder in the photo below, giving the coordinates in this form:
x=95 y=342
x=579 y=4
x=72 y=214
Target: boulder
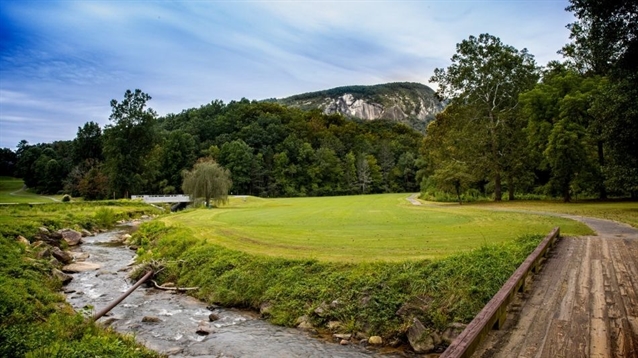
x=51 y=238
x=86 y=233
x=303 y=323
x=81 y=267
x=71 y=237
x=452 y=331
x=23 y=240
x=64 y=278
x=44 y=253
x=265 y=308
x=150 y=319
x=203 y=329
x=80 y=256
x=375 y=340
x=421 y=339
x=213 y=317
x=344 y=342
x=321 y=310
x=62 y=256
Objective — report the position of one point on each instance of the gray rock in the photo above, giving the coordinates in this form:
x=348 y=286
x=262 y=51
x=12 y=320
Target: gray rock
x=321 y=310
x=344 y=342
x=342 y=336
x=421 y=339
x=80 y=256
x=304 y=323
x=43 y=230
x=265 y=308
x=150 y=319
x=81 y=267
x=62 y=256
x=203 y=329
x=64 y=278
x=86 y=233
x=213 y=317
x=23 y=240
x=452 y=331
x=71 y=237
x=44 y=253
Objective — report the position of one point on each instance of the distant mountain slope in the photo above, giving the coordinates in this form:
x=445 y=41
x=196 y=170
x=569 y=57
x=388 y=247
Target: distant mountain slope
x=412 y=103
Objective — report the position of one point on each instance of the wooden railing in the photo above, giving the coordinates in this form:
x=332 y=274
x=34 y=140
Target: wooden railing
x=492 y=316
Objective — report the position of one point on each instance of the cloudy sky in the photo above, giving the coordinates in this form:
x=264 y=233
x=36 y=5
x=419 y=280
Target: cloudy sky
x=61 y=62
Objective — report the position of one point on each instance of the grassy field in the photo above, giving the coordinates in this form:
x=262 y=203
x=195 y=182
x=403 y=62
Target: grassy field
x=360 y=228
x=11 y=192
x=621 y=211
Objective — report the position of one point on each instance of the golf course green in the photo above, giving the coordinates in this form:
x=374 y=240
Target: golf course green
x=360 y=228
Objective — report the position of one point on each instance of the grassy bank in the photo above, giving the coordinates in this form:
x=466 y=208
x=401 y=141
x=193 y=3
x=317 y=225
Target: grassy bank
x=35 y=320
x=376 y=298
x=360 y=228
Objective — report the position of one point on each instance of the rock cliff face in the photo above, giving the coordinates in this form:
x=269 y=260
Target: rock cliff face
x=412 y=103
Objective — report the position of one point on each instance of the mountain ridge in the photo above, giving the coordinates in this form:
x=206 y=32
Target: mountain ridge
x=412 y=103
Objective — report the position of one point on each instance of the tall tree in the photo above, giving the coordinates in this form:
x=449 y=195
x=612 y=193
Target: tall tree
x=207 y=180
x=487 y=76
x=127 y=142
x=88 y=143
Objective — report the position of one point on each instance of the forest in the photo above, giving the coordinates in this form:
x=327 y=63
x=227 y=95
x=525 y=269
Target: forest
x=564 y=130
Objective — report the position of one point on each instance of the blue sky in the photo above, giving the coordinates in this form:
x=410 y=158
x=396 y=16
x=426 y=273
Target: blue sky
x=61 y=62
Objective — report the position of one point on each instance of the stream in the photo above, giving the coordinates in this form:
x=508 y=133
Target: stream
x=236 y=333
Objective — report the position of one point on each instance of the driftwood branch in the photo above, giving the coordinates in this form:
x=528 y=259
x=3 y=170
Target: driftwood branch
x=106 y=309
x=174 y=288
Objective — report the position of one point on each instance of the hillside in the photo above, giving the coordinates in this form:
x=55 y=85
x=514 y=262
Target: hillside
x=412 y=103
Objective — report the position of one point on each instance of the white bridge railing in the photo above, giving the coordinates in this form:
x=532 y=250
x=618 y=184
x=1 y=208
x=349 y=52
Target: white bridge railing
x=163 y=198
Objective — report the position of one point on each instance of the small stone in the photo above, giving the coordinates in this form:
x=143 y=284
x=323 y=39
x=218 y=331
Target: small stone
x=71 y=237
x=80 y=256
x=203 y=329
x=334 y=325
x=361 y=335
x=125 y=237
x=109 y=321
x=151 y=319
x=46 y=252
x=44 y=230
x=265 y=308
x=62 y=256
x=64 y=278
x=375 y=340
x=213 y=317
x=133 y=247
x=23 y=240
x=342 y=336
x=421 y=339
x=451 y=332
x=344 y=342
x=37 y=244
x=85 y=233
x=80 y=267
x=321 y=310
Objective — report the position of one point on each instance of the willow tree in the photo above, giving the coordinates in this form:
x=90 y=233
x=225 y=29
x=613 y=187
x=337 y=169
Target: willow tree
x=486 y=76
x=207 y=180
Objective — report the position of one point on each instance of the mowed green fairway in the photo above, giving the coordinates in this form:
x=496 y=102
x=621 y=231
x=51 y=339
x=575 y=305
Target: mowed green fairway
x=10 y=192
x=360 y=228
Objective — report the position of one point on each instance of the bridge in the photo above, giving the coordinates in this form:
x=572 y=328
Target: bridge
x=151 y=199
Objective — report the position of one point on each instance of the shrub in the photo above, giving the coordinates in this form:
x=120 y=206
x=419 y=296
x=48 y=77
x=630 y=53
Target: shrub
x=66 y=198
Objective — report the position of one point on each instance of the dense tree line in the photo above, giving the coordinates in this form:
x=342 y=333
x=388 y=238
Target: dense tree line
x=269 y=149
x=566 y=129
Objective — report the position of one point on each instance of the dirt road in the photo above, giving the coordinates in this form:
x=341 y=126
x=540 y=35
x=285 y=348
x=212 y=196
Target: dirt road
x=584 y=302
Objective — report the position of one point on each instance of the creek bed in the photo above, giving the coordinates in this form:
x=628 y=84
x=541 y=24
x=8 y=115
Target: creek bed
x=236 y=333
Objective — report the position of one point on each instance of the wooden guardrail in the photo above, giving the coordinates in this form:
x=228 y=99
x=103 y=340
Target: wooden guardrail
x=492 y=316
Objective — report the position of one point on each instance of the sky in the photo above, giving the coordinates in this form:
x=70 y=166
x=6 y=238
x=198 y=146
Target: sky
x=61 y=62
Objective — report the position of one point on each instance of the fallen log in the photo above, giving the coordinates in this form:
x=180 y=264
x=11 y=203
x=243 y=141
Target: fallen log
x=106 y=309
x=174 y=288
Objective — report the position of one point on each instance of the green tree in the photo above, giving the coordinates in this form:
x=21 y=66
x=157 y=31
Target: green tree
x=207 y=180
x=452 y=176
x=237 y=156
x=128 y=141
x=487 y=76
x=88 y=143
x=177 y=154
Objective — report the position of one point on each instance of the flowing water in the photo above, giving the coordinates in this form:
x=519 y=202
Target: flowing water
x=235 y=334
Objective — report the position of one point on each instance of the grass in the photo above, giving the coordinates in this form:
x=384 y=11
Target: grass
x=35 y=320
x=360 y=228
x=621 y=211
x=11 y=191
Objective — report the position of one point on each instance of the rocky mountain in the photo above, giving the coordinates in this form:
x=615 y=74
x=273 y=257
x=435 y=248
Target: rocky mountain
x=412 y=103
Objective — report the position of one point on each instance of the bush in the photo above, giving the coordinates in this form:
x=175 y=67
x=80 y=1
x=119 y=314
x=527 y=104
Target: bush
x=66 y=198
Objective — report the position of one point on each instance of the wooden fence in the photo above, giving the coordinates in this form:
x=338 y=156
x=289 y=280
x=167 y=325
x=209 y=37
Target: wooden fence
x=492 y=316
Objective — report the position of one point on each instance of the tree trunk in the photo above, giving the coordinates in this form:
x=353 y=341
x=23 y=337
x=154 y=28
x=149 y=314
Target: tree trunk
x=510 y=189
x=498 y=190
x=602 y=193
x=566 y=197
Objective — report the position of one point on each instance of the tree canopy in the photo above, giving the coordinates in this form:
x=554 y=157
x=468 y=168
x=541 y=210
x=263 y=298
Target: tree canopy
x=207 y=180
